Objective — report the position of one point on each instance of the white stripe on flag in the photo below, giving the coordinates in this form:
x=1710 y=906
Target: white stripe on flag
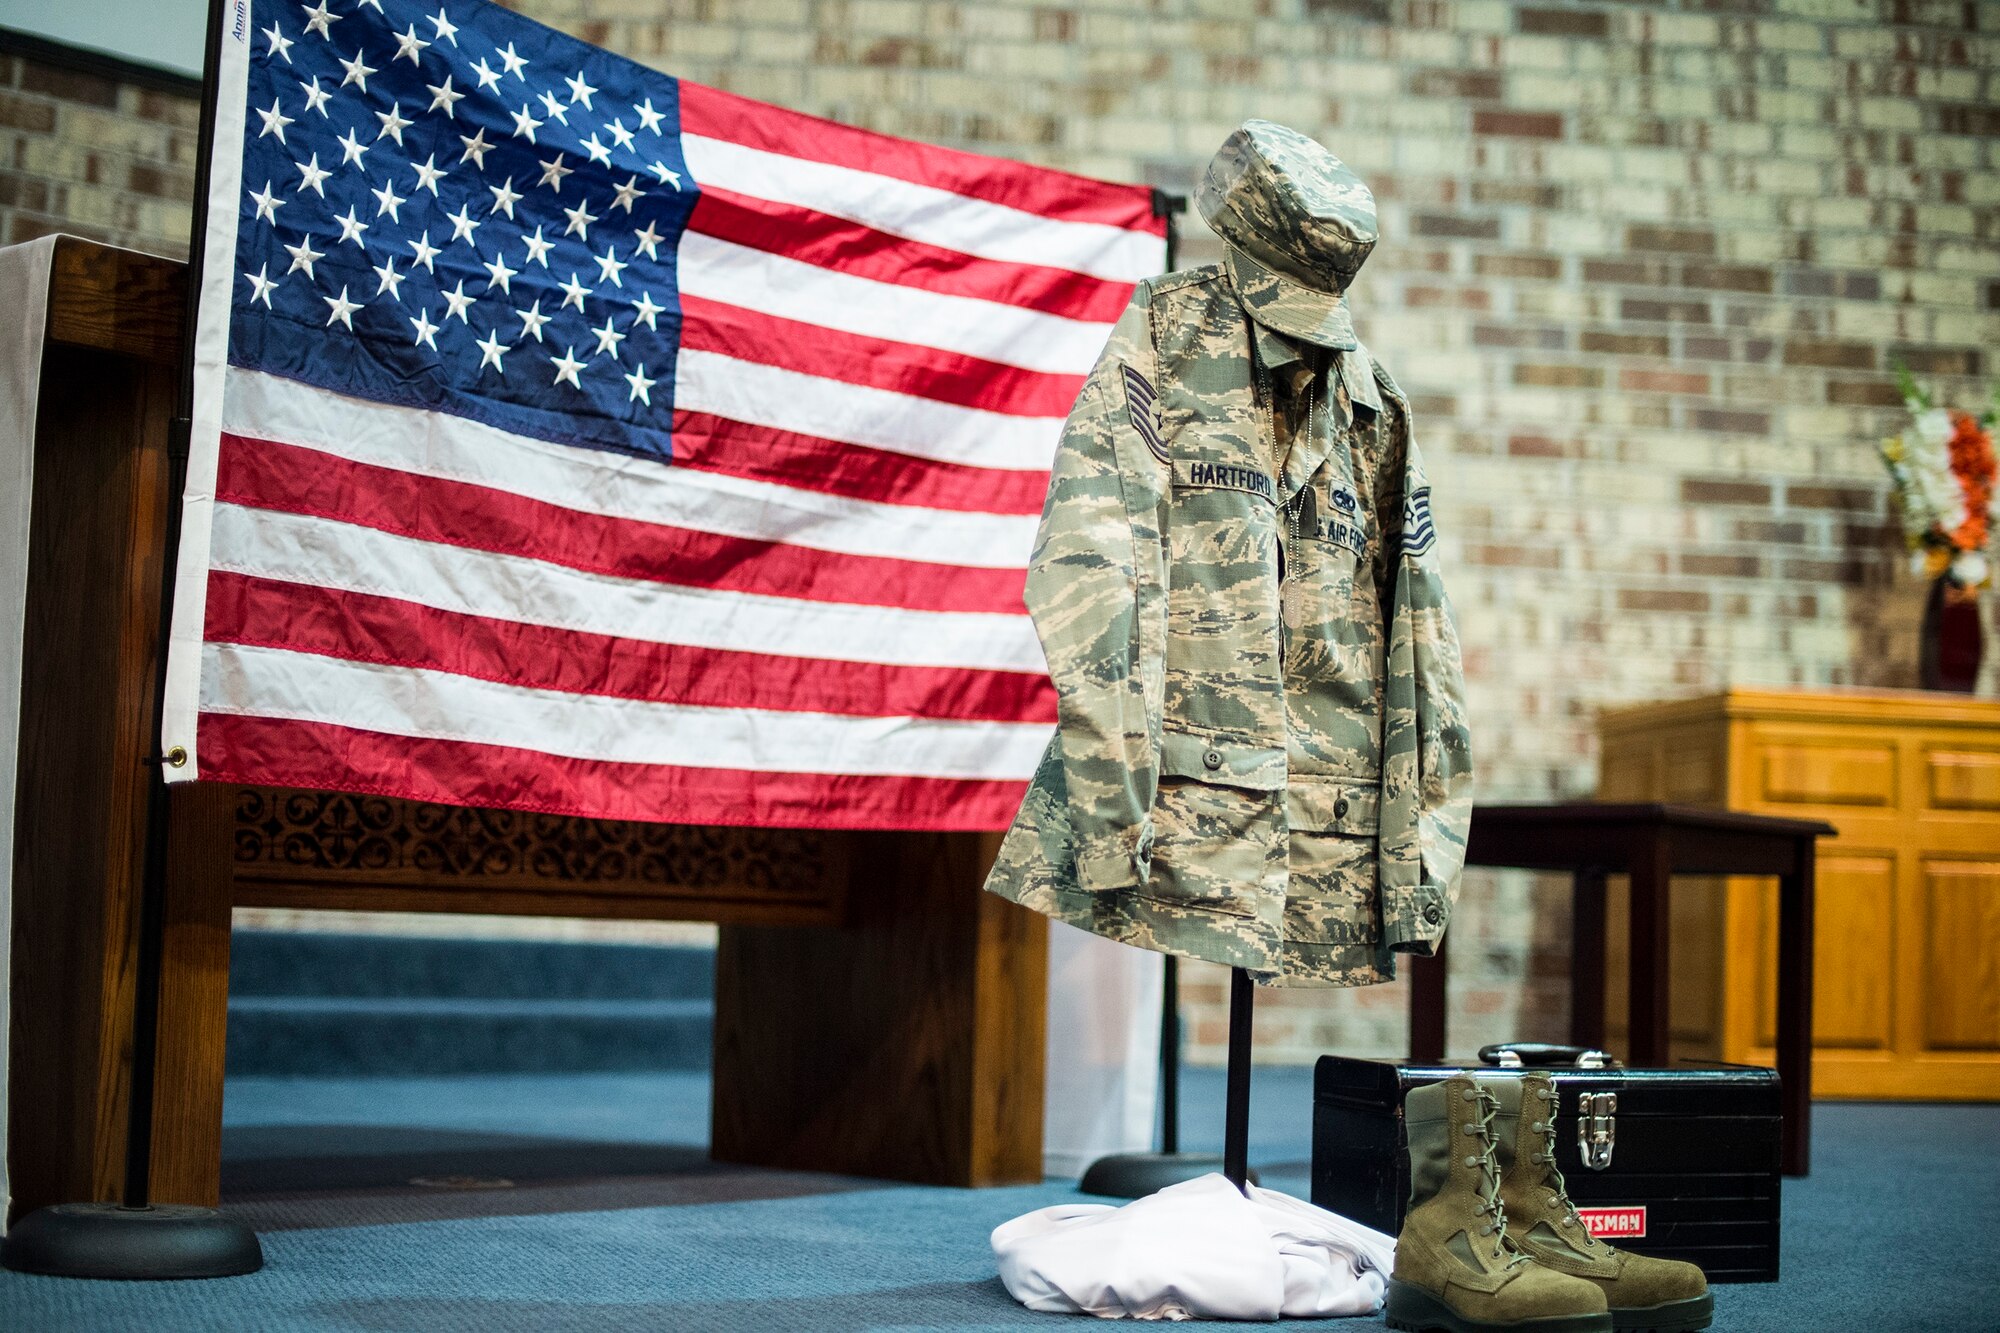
x=861 y=414
x=298 y=548
x=924 y=212
x=406 y=701
x=592 y=481
x=792 y=289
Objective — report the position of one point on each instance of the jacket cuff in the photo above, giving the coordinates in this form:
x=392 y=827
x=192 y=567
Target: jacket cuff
x=1113 y=861
x=1416 y=923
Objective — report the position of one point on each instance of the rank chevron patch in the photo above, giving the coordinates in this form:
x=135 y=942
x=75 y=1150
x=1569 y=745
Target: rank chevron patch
x=1139 y=405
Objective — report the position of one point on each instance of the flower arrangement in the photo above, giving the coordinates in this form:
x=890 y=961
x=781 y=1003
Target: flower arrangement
x=1943 y=467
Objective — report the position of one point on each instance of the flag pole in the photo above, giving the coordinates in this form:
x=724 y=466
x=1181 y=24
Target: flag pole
x=1131 y=1175
x=136 y=1238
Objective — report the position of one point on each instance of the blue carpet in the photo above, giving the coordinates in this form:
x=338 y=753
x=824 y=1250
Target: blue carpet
x=611 y=1219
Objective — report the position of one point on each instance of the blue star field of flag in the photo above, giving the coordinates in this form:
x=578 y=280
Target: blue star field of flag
x=447 y=206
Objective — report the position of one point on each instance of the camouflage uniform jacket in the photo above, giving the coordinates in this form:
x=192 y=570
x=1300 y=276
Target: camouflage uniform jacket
x=1261 y=757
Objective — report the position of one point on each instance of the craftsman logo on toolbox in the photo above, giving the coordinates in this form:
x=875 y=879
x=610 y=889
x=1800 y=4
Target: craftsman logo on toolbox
x=1614 y=1223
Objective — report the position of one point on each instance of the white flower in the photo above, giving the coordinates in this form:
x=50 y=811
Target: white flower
x=1970 y=570
x=1934 y=426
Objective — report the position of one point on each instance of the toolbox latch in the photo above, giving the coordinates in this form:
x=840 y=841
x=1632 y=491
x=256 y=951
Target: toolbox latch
x=1596 y=1128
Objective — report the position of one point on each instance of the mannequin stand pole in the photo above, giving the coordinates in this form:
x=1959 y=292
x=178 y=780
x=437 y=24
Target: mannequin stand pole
x=1132 y=1175
x=1236 y=1108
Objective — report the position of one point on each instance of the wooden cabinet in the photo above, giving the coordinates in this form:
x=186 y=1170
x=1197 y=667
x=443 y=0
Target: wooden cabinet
x=1907 y=1001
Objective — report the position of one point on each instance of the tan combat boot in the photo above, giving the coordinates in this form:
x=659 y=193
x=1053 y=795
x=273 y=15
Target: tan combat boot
x=1456 y=1269
x=1663 y=1295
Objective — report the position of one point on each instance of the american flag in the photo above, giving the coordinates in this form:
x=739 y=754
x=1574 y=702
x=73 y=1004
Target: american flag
x=572 y=438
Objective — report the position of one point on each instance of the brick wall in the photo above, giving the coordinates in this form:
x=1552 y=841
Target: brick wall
x=95 y=153
x=1645 y=271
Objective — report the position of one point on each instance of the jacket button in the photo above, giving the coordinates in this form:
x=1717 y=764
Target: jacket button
x=1433 y=913
x=1340 y=808
x=1212 y=760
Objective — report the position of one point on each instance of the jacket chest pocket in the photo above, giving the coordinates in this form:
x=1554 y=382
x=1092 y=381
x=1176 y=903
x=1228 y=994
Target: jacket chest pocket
x=1222 y=672
x=1333 y=623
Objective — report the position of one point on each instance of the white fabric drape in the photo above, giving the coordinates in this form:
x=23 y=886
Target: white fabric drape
x=1103 y=1070
x=1197 y=1250
x=24 y=289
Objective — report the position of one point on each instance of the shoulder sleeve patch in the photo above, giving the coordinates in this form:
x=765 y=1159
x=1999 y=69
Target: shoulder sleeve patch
x=1140 y=406
x=1418 y=533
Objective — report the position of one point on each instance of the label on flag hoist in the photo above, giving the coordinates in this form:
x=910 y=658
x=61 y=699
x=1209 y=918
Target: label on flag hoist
x=1615 y=1223
x=572 y=438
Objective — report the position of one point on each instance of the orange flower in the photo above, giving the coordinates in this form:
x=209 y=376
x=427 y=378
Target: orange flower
x=1972 y=462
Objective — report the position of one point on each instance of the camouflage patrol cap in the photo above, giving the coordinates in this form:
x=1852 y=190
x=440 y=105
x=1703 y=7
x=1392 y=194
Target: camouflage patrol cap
x=1298 y=225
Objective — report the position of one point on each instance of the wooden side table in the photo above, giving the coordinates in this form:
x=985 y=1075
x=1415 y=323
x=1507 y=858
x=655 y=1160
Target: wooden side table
x=1651 y=843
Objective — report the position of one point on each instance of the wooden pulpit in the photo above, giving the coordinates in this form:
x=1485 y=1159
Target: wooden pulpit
x=876 y=1013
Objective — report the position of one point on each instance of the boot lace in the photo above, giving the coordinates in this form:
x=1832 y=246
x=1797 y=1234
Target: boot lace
x=1489 y=1181
x=1552 y=1178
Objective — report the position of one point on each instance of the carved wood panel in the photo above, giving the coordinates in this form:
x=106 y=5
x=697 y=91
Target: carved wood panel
x=302 y=848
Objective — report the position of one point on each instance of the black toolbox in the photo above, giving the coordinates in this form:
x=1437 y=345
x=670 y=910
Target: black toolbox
x=1689 y=1155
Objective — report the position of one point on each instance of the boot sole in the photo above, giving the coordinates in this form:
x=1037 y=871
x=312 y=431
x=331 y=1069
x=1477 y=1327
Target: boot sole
x=1415 y=1310
x=1688 y=1316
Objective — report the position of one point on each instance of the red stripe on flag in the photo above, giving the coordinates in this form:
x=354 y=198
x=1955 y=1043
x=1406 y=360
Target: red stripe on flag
x=850 y=247
x=741 y=449
x=856 y=358
x=362 y=627
x=714 y=114
x=314 y=754
x=266 y=475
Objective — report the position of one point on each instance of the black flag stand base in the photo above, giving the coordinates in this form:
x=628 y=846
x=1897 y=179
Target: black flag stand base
x=1133 y=1175
x=115 y=1240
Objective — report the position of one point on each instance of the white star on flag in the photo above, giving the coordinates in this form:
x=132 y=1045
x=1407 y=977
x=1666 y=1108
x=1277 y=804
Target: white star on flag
x=642 y=388
x=267 y=204
x=275 y=121
x=352 y=150
x=343 y=309
x=426 y=331
x=491 y=349
x=320 y=19
x=260 y=286
x=504 y=199
x=357 y=72
x=408 y=44
x=281 y=45
x=316 y=96
x=648 y=312
x=499 y=275
x=532 y=320
x=311 y=176
x=475 y=149
x=391 y=281
x=388 y=201
x=303 y=257
x=459 y=303
x=351 y=228
x=538 y=249
x=567 y=367
x=608 y=338
x=573 y=293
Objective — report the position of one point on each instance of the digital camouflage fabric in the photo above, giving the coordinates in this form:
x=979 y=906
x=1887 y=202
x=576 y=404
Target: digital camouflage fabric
x=1298 y=225
x=1261 y=755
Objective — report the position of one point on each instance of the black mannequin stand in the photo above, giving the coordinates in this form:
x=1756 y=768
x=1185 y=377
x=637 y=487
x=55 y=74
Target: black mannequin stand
x=1133 y=1175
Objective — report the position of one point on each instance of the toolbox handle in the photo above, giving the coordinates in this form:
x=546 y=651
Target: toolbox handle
x=1544 y=1055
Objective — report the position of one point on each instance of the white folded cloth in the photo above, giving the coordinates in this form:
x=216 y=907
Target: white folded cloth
x=1197 y=1250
